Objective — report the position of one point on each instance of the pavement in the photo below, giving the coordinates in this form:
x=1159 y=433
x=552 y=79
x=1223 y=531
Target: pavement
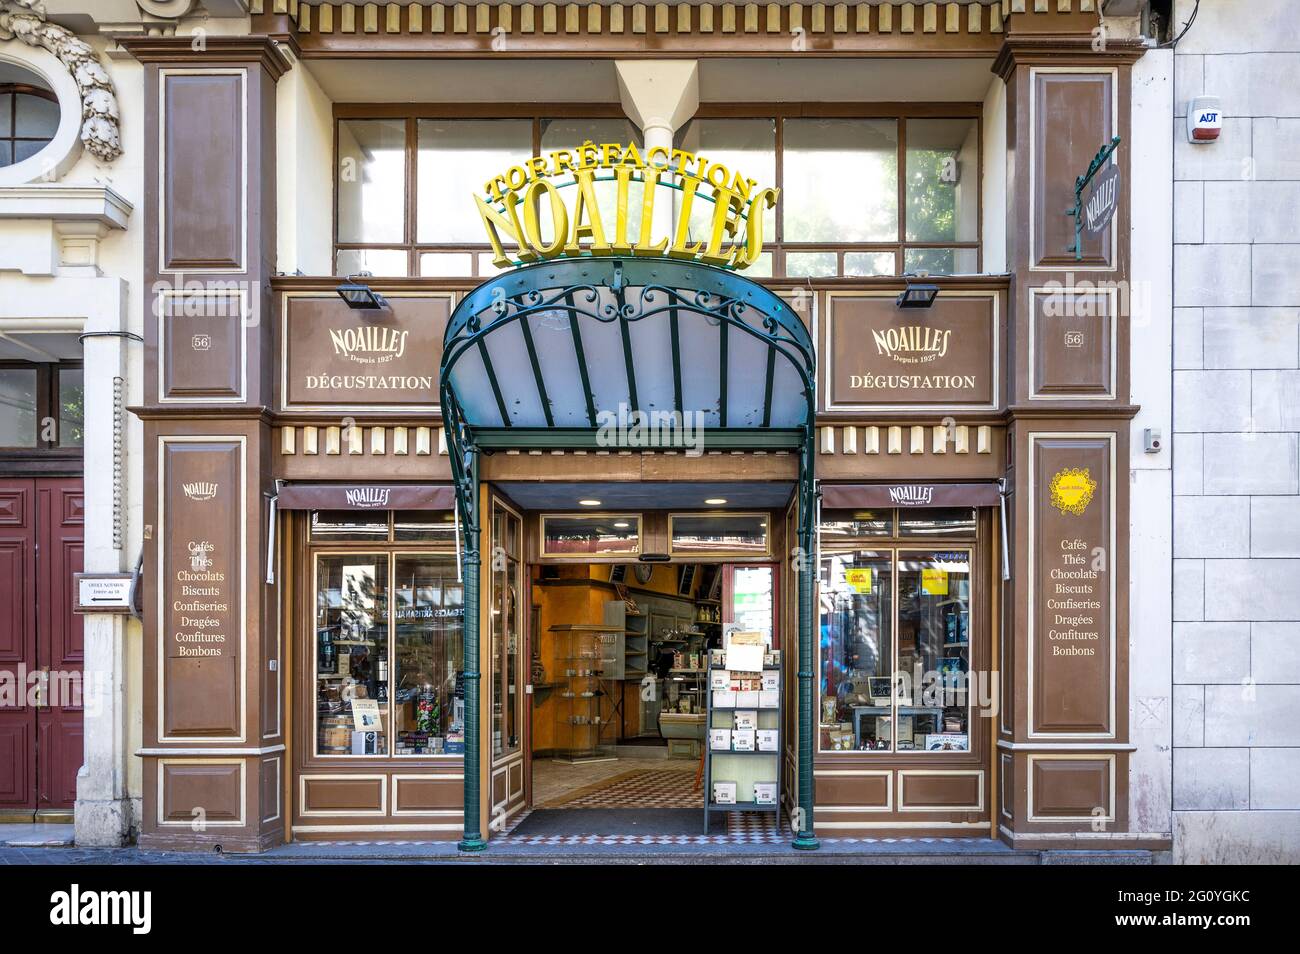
x=884 y=851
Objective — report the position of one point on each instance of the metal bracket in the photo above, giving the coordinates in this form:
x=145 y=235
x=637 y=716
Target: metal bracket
x=1081 y=183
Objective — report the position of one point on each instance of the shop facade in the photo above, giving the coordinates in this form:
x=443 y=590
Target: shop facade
x=946 y=494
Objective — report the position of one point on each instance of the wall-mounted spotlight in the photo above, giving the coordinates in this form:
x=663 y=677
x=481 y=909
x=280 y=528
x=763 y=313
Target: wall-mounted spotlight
x=360 y=297
x=917 y=295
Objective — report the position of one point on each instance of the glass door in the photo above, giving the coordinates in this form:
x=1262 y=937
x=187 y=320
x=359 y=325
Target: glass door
x=509 y=663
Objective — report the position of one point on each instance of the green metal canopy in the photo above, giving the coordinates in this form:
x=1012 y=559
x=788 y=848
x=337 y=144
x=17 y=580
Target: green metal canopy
x=560 y=354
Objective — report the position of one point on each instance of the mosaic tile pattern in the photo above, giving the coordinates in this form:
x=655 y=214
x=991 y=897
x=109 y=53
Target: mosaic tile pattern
x=639 y=789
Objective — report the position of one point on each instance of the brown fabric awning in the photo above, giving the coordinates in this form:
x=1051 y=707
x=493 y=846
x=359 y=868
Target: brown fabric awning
x=366 y=497
x=912 y=494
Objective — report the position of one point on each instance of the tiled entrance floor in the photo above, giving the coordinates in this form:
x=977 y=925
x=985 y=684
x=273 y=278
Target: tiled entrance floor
x=637 y=783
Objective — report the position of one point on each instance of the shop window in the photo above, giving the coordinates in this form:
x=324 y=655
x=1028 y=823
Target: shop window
x=434 y=527
x=29 y=118
x=389 y=640
x=895 y=646
x=731 y=534
x=583 y=535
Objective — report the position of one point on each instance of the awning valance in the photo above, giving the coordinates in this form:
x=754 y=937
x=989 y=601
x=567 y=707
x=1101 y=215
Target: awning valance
x=366 y=497
x=908 y=494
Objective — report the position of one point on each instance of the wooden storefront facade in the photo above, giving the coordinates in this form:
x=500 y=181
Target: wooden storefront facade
x=1027 y=400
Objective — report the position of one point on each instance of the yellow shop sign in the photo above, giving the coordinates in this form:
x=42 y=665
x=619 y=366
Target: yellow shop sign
x=602 y=200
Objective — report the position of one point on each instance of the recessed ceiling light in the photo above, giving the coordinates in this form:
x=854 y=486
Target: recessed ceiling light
x=716 y=501
x=589 y=503
x=621 y=524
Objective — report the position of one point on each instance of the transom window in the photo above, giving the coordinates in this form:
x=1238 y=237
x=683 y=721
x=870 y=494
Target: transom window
x=871 y=193
x=42 y=406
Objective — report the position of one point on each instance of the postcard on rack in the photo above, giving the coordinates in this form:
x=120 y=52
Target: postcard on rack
x=766 y=739
x=771 y=679
x=765 y=793
x=719 y=679
x=745 y=651
x=746 y=719
x=724 y=793
x=724 y=699
x=742 y=740
x=720 y=740
x=769 y=699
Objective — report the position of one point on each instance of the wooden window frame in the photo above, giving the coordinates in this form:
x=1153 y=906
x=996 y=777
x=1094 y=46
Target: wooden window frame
x=45 y=457
x=778 y=112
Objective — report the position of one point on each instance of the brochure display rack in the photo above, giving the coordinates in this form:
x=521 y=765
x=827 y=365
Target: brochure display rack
x=743 y=745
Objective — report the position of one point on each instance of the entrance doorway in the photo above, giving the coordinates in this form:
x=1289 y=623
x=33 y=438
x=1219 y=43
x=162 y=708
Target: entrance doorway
x=41 y=650
x=612 y=654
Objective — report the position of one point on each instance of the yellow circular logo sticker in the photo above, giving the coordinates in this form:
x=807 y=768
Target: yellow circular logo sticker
x=1072 y=490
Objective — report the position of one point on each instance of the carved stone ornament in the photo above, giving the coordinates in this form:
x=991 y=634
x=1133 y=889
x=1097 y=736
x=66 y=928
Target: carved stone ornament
x=100 y=124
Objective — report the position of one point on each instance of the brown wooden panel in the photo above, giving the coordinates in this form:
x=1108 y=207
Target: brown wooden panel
x=1072 y=343
x=326 y=793
x=874 y=353
x=17 y=762
x=203 y=171
x=842 y=790
x=201 y=590
x=215 y=788
x=201 y=340
x=1070 y=788
x=1072 y=120
x=499 y=788
x=334 y=356
x=1072 y=558
x=272 y=782
x=942 y=792
x=429 y=794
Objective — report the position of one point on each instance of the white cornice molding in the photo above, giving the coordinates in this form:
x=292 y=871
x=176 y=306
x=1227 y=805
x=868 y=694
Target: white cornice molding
x=62 y=203
x=24 y=20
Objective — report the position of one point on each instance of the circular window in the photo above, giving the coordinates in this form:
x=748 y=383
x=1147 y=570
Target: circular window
x=29 y=115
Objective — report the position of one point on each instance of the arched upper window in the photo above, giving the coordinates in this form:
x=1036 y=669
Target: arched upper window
x=29 y=118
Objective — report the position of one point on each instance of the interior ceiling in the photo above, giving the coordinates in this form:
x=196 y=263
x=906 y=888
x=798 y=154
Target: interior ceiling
x=758 y=495
x=725 y=80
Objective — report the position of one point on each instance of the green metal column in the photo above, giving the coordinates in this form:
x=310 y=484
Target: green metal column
x=468 y=496
x=806 y=567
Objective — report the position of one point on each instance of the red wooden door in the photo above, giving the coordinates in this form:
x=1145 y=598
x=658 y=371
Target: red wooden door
x=17 y=644
x=59 y=640
x=41 y=544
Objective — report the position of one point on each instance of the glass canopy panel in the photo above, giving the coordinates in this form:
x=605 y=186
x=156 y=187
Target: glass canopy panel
x=700 y=366
x=652 y=352
x=469 y=381
x=602 y=344
x=746 y=379
x=623 y=312
x=553 y=339
x=508 y=352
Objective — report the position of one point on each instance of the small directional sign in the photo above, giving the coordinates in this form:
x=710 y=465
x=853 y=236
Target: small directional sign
x=104 y=592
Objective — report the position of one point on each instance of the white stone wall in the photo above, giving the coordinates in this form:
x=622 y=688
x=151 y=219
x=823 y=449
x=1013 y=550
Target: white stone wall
x=1236 y=660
